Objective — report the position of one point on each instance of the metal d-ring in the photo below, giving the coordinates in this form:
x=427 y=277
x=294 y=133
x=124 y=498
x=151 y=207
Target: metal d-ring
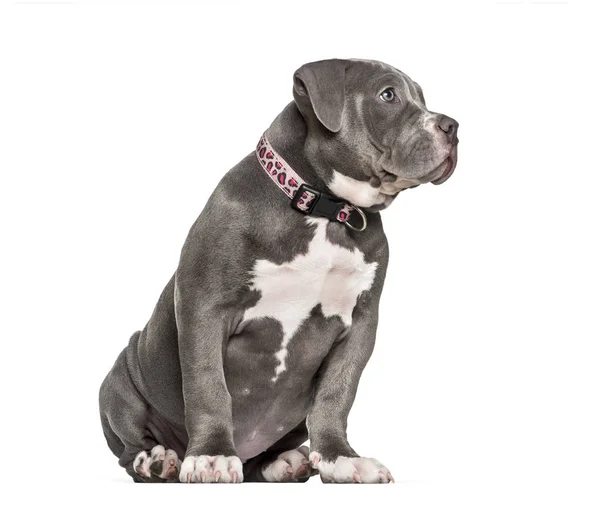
x=364 y=218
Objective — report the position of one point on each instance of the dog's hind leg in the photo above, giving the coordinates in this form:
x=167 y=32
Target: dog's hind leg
x=285 y=461
x=129 y=431
x=158 y=465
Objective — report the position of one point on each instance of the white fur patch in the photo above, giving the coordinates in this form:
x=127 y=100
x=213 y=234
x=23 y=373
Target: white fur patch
x=357 y=192
x=158 y=452
x=327 y=274
x=141 y=464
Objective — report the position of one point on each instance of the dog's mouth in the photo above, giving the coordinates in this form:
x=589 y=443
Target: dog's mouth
x=447 y=167
x=437 y=176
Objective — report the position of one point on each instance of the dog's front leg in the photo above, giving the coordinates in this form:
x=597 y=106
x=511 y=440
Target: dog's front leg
x=203 y=330
x=337 y=382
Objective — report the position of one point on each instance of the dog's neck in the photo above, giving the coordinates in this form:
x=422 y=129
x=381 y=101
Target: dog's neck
x=287 y=134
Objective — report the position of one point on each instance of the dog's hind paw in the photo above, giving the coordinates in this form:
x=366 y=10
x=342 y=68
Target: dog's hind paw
x=351 y=470
x=158 y=464
x=211 y=469
x=290 y=466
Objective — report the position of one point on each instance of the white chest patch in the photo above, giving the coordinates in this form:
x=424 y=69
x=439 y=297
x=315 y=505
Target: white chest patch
x=327 y=274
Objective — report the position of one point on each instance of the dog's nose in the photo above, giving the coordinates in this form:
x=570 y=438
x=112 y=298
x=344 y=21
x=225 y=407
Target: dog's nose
x=449 y=126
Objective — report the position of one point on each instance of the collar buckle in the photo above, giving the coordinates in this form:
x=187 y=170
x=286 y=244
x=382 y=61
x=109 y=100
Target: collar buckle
x=311 y=201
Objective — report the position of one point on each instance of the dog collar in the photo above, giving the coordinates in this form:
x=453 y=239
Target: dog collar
x=305 y=199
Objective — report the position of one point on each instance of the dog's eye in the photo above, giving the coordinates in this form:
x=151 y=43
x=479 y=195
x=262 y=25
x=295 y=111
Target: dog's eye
x=388 y=95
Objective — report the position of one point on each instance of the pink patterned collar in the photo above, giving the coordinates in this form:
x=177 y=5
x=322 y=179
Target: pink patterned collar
x=305 y=199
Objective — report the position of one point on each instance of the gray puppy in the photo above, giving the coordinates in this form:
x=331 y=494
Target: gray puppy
x=259 y=339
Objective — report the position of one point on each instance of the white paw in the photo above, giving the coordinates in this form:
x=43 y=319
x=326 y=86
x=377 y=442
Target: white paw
x=160 y=463
x=211 y=469
x=289 y=466
x=351 y=470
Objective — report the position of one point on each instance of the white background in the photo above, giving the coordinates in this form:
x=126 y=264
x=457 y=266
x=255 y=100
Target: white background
x=118 y=120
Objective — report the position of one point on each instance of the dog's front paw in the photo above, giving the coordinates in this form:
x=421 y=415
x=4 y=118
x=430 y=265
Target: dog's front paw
x=350 y=470
x=211 y=469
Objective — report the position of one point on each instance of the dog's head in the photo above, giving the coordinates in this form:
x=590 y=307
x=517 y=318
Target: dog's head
x=370 y=132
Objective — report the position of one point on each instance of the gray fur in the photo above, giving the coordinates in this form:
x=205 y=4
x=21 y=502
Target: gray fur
x=195 y=380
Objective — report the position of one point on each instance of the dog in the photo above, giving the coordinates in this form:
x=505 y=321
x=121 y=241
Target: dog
x=258 y=341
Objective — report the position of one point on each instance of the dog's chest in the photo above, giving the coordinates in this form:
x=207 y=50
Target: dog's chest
x=326 y=274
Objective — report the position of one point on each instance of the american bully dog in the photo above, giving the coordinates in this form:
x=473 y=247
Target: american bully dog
x=258 y=341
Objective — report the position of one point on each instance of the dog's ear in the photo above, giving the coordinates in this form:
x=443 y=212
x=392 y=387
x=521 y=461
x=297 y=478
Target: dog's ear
x=319 y=88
